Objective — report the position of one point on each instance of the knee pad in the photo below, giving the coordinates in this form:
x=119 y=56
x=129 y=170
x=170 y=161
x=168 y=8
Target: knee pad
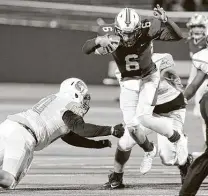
x=126 y=143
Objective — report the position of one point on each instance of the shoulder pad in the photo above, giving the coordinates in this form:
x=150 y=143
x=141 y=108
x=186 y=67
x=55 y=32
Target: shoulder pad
x=201 y=56
x=106 y=29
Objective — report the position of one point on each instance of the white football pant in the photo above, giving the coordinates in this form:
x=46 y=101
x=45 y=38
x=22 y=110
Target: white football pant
x=16 y=149
x=129 y=99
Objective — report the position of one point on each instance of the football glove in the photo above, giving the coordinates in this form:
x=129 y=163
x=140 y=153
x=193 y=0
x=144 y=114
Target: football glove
x=103 y=144
x=117 y=130
x=160 y=13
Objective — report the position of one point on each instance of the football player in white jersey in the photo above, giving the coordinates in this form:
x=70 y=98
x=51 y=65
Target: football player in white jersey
x=59 y=115
x=197 y=26
x=199 y=169
x=170 y=107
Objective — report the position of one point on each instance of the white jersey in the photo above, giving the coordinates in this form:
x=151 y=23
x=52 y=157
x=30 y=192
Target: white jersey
x=166 y=91
x=45 y=118
x=200 y=60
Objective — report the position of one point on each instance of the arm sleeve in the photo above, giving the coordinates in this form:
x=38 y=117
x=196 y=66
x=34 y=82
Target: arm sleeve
x=78 y=126
x=170 y=32
x=90 y=46
x=195 y=84
x=78 y=141
x=192 y=74
x=92 y=130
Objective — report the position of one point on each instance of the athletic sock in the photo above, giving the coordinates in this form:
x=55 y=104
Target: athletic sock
x=147 y=146
x=175 y=137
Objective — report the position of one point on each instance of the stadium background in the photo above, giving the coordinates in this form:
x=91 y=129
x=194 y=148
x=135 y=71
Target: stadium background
x=40 y=45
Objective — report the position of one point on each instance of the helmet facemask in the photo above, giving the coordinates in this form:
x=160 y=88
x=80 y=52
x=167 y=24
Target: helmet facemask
x=86 y=103
x=83 y=96
x=197 y=31
x=128 y=39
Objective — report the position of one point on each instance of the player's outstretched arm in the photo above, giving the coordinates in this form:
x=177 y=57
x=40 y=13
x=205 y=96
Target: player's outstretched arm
x=90 y=46
x=195 y=84
x=100 y=41
x=171 y=31
x=77 y=125
x=75 y=140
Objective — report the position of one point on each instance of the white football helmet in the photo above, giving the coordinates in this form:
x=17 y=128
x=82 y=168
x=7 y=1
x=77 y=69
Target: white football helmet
x=79 y=91
x=197 y=26
x=128 y=26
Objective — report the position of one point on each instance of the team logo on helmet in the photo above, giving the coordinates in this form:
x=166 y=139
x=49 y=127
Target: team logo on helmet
x=81 y=87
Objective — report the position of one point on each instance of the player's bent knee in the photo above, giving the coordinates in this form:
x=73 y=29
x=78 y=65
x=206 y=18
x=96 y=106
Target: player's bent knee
x=125 y=144
x=6 y=179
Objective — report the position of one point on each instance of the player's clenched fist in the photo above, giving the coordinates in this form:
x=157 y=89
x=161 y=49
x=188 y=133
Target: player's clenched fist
x=118 y=130
x=104 y=144
x=160 y=13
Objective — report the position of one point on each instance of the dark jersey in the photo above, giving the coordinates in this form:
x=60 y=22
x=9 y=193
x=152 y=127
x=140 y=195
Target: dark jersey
x=136 y=60
x=196 y=46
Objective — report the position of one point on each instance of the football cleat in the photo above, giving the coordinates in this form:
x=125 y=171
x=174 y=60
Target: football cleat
x=184 y=168
x=146 y=164
x=115 y=181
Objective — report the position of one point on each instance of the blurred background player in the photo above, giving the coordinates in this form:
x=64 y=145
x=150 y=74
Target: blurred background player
x=133 y=58
x=199 y=169
x=197 y=26
x=53 y=117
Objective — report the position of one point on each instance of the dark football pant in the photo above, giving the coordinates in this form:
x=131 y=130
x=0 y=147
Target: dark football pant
x=199 y=168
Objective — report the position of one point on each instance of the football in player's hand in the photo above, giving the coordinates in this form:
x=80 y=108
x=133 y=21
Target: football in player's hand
x=113 y=43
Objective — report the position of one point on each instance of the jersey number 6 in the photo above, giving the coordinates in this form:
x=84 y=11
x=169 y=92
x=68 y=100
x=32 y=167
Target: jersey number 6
x=131 y=62
x=107 y=29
